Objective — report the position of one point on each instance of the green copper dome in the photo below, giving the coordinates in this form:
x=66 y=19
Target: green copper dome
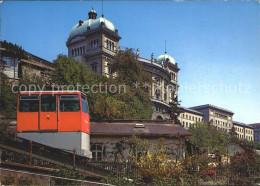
x=164 y=57
x=92 y=23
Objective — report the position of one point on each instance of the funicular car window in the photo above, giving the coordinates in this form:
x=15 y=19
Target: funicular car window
x=48 y=103
x=29 y=103
x=69 y=103
x=84 y=105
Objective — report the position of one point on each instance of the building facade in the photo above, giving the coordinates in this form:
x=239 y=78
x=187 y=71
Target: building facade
x=244 y=131
x=256 y=127
x=164 y=72
x=189 y=116
x=106 y=138
x=9 y=63
x=15 y=67
x=94 y=42
x=219 y=117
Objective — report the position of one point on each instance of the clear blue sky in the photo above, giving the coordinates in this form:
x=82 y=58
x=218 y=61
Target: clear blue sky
x=216 y=44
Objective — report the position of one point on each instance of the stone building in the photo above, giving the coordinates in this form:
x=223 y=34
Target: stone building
x=106 y=137
x=164 y=71
x=9 y=63
x=15 y=67
x=217 y=116
x=256 y=127
x=94 y=42
x=189 y=116
x=244 y=131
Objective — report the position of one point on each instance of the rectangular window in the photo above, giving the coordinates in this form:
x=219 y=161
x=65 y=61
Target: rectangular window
x=97 y=152
x=233 y=147
x=29 y=103
x=9 y=61
x=109 y=70
x=48 y=103
x=113 y=46
x=69 y=103
x=97 y=43
x=94 y=68
x=107 y=43
x=84 y=105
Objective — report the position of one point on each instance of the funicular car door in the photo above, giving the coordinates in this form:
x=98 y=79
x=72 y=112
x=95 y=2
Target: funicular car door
x=28 y=113
x=69 y=113
x=48 y=112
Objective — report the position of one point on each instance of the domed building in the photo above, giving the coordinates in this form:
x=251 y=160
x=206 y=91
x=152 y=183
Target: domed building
x=164 y=71
x=94 y=42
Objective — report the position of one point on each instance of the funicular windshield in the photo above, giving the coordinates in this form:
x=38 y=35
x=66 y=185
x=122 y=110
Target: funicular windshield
x=69 y=103
x=84 y=104
x=48 y=103
x=29 y=103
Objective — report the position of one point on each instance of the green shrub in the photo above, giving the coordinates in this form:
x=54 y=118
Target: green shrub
x=8 y=180
x=24 y=181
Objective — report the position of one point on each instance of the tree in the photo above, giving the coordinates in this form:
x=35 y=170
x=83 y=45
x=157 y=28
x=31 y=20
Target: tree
x=138 y=82
x=175 y=110
x=208 y=138
x=8 y=99
x=19 y=51
x=242 y=166
x=133 y=104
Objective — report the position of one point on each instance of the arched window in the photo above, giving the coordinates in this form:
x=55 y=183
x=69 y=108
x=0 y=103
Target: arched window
x=80 y=50
x=157 y=93
x=107 y=44
x=159 y=118
x=92 y=45
x=72 y=52
x=97 y=43
x=112 y=46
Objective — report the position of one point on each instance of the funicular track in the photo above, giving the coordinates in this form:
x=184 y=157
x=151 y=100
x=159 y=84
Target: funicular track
x=24 y=154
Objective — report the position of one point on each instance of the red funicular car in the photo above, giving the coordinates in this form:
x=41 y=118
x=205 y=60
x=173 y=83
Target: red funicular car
x=56 y=118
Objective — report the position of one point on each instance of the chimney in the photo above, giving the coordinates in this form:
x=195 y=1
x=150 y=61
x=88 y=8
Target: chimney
x=80 y=22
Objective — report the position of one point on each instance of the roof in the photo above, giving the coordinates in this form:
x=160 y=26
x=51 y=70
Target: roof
x=33 y=59
x=127 y=129
x=255 y=125
x=53 y=92
x=241 y=124
x=212 y=106
x=39 y=64
x=191 y=111
x=164 y=57
x=92 y=24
